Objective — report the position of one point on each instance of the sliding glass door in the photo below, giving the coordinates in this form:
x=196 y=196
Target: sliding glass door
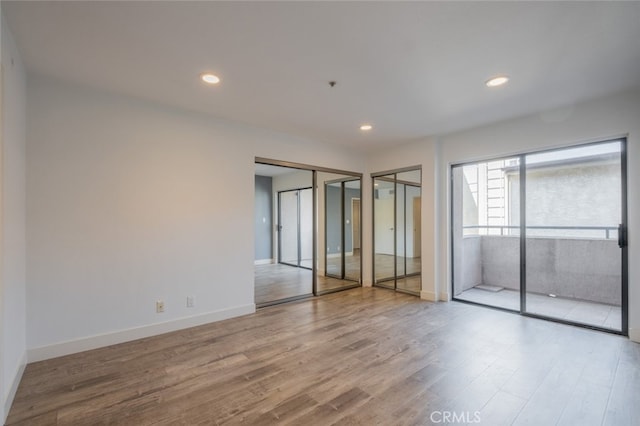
x=543 y=234
x=573 y=254
x=486 y=229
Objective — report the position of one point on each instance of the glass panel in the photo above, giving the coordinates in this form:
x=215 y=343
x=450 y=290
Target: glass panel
x=288 y=205
x=384 y=230
x=409 y=198
x=339 y=263
x=573 y=208
x=352 y=229
x=486 y=243
x=306 y=228
x=413 y=208
x=282 y=278
x=333 y=220
x=400 y=229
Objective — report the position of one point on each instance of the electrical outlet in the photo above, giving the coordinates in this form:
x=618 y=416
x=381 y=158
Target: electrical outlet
x=191 y=302
x=159 y=306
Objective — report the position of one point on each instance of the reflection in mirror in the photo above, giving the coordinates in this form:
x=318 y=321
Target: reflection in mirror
x=339 y=262
x=397 y=231
x=384 y=230
x=410 y=198
x=283 y=234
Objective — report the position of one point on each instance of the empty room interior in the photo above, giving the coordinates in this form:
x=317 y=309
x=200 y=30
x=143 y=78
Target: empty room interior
x=353 y=213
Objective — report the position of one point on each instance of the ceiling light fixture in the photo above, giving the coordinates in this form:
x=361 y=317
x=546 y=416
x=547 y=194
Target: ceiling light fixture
x=497 y=81
x=210 y=78
x=366 y=127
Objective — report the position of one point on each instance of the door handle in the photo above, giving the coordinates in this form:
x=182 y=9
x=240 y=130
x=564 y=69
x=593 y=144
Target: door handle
x=622 y=237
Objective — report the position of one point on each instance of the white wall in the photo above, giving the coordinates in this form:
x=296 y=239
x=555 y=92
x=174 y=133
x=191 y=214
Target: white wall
x=129 y=202
x=420 y=153
x=12 y=222
x=600 y=119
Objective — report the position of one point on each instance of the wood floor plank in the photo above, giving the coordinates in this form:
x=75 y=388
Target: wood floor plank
x=366 y=356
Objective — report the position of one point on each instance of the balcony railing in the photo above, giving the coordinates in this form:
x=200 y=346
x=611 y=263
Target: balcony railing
x=607 y=230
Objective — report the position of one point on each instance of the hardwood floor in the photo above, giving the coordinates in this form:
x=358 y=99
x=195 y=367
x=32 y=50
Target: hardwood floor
x=579 y=311
x=361 y=357
x=275 y=282
x=384 y=268
x=384 y=265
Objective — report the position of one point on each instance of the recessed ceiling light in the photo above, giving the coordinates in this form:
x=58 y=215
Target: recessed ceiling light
x=497 y=81
x=366 y=127
x=210 y=78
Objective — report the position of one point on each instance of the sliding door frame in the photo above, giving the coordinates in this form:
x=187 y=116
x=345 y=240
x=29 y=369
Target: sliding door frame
x=384 y=176
x=314 y=186
x=622 y=238
x=342 y=182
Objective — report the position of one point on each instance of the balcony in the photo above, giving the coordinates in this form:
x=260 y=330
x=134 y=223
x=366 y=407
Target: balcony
x=576 y=277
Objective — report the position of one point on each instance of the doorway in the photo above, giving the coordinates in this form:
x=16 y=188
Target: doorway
x=544 y=234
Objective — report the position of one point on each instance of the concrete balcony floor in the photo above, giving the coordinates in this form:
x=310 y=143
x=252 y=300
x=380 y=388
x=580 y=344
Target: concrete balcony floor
x=579 y=311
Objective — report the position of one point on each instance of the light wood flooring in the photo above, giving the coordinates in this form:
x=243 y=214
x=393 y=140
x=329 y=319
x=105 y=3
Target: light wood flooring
x=351 y=266
x=384 y=269
x=365 y=356
x=384 y=265
x=580 y=311
x=410 y=284
x=275 y=282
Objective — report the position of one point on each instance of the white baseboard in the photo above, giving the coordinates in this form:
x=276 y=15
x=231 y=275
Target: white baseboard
x=634 y=334
x=445 y=296
x=263 y=262
x=107 y=339
x=11 y=394
x=428 y=295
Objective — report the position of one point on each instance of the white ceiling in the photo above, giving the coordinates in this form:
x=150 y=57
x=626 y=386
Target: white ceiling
x=411 y=69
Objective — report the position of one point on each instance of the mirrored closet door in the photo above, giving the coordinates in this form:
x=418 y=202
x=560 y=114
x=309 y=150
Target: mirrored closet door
x=397 y=201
